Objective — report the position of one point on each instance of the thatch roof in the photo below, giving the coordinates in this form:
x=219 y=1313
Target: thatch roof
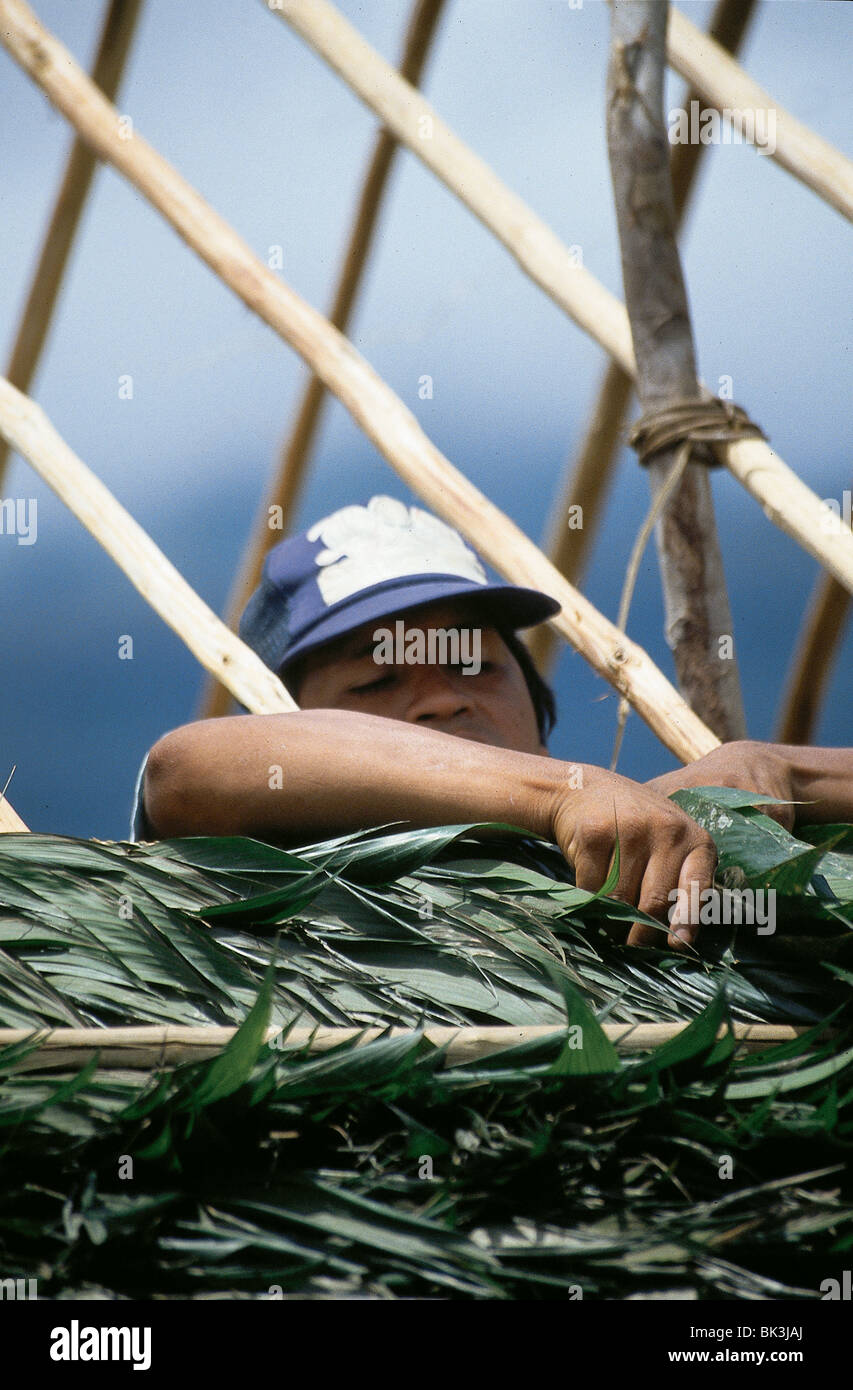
x=378 y=1168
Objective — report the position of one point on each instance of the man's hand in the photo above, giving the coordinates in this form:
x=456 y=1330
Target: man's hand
x=748 y=766
x=660 y=849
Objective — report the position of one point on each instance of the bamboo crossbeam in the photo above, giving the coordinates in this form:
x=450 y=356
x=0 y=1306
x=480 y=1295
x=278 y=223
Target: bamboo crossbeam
x=724 y=84
x=151 y=1046
x=817 y=647
x=113 y=48
x=10 y=821
x=296 y=452
x=785 y=500
x=588 y=481
x=26 y=428
x=380 y=414
x=585 y=485
x=409 y=116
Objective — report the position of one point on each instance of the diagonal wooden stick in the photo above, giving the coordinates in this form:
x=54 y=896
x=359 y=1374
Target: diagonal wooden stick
x=383 y=417
x=724 y=84
x=822 y=630
x=785 y=500
x=26 y=427
x=10 y=821
x=297 y=448
x=150 y=1046
x=113 y=48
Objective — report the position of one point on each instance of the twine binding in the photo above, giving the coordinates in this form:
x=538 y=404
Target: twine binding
x=695 y=423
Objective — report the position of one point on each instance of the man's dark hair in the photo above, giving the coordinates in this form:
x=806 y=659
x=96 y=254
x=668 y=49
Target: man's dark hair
x=544 y=703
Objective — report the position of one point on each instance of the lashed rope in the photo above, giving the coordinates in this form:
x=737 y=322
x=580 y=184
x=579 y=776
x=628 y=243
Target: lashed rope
x=693 y=423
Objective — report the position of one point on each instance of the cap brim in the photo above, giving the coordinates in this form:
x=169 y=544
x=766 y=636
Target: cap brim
x=505 y=605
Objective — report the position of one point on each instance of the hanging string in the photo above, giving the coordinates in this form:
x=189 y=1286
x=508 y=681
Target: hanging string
x=693 y=426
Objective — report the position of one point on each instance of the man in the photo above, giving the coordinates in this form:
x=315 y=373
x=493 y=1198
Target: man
x=399 y=723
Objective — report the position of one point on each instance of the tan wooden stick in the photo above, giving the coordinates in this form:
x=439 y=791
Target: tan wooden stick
x=297 y=448
x=151 y=1046
x=817 y=647
x=537 y=249
x=724 y=84
x=786 y=501
x=26 y=427
x=383 y=417
x=116 y=38
x=587 y=483
x=10 y=821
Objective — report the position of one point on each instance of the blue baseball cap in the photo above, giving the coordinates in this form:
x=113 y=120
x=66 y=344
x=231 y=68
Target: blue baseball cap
x=366 y=563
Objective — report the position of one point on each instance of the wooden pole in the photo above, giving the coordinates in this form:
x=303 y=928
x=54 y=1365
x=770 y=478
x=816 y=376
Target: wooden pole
x=823 y=629
x=383 y=417
x=785 y=500
x=116 y=37
x=697 y=606
x=293 y=464
x=725 y=85
x=151 y=1046
x=24 y=425
x=10 y=821
x=587 y=484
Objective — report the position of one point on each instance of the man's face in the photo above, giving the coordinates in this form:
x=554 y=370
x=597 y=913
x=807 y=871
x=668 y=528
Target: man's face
x=490 y=705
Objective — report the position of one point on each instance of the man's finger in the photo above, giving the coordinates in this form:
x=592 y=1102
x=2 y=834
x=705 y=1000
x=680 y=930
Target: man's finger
x=592 y=865
x=697 y=874
x=656 y=899
x=641 y=934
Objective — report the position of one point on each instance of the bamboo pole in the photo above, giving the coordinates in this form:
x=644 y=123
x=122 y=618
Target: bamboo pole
x=383 y=417
x=415 y=123
x=785 y=500
x=151 y=1046
x=724 y=84
x=587 y=483
x=26 y=428
x=817 y=647
x=10 y=821
x=116 y=37
x=695 y=598
x=293 y=463
x=585 y=486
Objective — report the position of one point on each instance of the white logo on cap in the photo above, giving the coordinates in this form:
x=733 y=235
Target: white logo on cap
x=386 y=540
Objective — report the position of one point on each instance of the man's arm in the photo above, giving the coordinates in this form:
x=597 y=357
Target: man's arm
x=823 y=780
x=820 y=778
x=315 y=773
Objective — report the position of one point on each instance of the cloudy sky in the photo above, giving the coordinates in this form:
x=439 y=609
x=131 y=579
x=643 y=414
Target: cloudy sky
x=278 y=146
